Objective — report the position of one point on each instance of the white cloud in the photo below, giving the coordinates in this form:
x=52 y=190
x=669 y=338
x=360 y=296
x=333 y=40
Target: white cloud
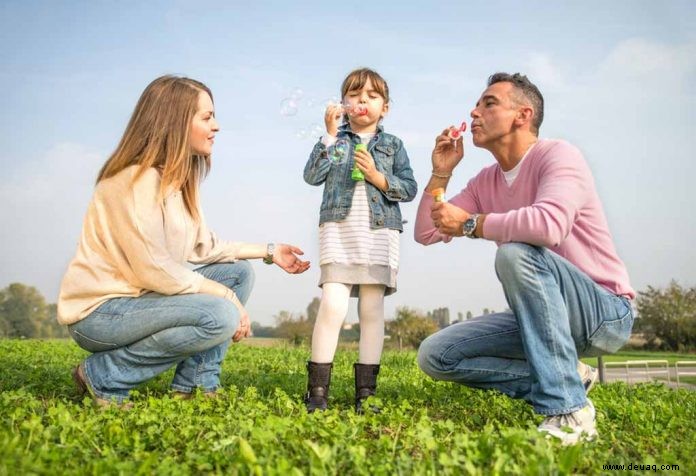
x=543 y=71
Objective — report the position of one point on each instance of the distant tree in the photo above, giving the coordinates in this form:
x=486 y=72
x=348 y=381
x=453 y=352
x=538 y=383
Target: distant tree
x=486 y=311
x=23 y=310
x=410 y=328
x=259 y=330
x=50 y=327
x=313 y=310
x=460 y=317
x=295 y=329
x=351 y=334
x=667 y=317
x=469 y=315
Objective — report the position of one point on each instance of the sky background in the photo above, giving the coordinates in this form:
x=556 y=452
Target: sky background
x=618 y=80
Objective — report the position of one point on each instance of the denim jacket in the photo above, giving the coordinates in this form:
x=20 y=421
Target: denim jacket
x=390 y=158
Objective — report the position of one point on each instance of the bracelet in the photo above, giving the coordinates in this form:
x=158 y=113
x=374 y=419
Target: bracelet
x=435 y=174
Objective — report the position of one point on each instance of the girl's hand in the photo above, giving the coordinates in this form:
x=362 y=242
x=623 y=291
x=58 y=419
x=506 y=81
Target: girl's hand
x=332 y=118
x=447 y=153
x=286 y=257
x=366 y=164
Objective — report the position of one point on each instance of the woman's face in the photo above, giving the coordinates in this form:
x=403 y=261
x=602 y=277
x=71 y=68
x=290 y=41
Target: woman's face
x=204 y=126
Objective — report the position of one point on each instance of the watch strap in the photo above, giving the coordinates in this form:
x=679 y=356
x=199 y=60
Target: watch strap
x=270 y=249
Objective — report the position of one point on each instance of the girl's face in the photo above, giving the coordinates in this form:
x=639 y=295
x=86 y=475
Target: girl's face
x=374 y=106
x=203 y=126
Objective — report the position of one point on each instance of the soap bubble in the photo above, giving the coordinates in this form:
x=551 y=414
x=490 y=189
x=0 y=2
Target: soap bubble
x=288 y=107
x=332 y=101
x=297 y=94
x=316 y=131
x=311 y=103
x=301 y=134
x=355 y=110
x=339 y=151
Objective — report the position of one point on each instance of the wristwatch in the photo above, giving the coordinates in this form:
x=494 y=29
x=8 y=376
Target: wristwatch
x=270 y=249
x=469 y=226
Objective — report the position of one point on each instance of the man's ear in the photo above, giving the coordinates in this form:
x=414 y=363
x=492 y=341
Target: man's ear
x=525 y=114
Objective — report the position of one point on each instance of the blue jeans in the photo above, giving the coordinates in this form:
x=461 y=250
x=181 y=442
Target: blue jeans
x=531 y=352
x=136 y=339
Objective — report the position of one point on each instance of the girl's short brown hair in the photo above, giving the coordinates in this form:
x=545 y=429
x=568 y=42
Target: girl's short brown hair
x=358 y=78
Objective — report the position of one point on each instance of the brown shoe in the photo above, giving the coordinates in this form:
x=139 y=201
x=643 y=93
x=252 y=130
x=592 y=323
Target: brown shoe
x=78 y=375
x=188 y=396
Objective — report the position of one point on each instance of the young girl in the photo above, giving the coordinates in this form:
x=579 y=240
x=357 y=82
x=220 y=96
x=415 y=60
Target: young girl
x=359 y=226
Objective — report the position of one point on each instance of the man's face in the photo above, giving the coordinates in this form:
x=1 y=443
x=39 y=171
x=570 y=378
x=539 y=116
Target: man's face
x=494 y=115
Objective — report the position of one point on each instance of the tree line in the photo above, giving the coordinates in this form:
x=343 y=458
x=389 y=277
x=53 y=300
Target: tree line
x=666 y=320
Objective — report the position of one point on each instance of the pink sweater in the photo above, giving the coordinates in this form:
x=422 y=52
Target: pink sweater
x=552 y=203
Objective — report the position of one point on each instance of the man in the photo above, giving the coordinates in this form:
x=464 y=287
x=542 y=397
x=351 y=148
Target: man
x=567 y=289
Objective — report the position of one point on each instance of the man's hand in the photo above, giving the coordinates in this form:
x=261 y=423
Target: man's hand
x=447 y=153
x=286 y=257
x=448 y=218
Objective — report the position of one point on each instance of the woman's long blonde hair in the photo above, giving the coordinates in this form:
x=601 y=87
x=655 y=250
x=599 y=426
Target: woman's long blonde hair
x=158 y=135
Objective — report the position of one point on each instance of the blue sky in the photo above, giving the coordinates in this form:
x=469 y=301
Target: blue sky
x=618 y=79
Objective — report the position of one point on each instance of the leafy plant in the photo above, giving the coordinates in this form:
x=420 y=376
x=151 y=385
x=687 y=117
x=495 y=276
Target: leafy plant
x=260 y=426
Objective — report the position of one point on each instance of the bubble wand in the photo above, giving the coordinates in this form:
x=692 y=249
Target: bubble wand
x=455 y=133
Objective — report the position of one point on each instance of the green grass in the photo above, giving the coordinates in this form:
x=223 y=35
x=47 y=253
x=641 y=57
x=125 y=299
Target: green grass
x=259 y=426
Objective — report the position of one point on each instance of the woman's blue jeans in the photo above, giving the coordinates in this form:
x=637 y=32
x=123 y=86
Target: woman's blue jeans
x=531 y=352
x=136 y=339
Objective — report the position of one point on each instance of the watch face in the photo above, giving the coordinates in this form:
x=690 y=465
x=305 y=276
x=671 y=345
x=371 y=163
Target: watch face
x=469 y=226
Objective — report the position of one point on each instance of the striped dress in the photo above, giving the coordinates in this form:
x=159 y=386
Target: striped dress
x=350 y=252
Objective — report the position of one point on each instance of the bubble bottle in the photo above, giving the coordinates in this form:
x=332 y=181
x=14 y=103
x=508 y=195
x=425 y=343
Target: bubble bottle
x=439 y=194
x=356 y=173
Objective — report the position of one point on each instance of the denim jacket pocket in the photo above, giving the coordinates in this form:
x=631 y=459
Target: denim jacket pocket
x=612 y=334
x=384 y=157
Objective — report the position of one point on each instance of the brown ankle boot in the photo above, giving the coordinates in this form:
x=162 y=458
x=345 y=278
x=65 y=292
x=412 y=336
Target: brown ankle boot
x=365 y=384
x=318 y=383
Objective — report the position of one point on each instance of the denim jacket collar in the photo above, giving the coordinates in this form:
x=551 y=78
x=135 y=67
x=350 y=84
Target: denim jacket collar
x=345 y=128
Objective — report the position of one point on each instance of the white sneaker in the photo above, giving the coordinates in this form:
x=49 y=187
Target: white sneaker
x=589 y=376
x=571 y=427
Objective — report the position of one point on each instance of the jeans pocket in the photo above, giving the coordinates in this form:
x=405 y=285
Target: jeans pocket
x=89 y=344
x=612 y=334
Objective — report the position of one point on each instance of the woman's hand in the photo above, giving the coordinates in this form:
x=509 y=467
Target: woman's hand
x=332 y=118
x=244 y=327
x=447 y=153
x=286 y=257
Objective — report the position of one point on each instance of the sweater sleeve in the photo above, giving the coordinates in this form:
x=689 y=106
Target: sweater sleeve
x=209 y=249
x=564 y=186
x=133 y=228
x=425 y=232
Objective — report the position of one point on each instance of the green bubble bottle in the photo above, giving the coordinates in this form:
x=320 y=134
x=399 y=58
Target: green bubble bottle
x=357 y=174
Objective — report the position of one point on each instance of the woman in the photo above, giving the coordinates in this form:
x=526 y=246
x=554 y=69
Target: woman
x=128 y=295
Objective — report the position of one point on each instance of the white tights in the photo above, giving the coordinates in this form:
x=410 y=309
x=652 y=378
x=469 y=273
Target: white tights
x=332 y=313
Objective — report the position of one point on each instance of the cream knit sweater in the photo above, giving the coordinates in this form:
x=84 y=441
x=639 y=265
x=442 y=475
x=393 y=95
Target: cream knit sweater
x=131 y=244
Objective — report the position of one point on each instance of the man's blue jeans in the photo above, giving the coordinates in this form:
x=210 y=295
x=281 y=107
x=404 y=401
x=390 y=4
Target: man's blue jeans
x=531 y=352
x=136 y=339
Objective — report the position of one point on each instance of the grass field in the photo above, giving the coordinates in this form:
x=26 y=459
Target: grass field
x=259 y=426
